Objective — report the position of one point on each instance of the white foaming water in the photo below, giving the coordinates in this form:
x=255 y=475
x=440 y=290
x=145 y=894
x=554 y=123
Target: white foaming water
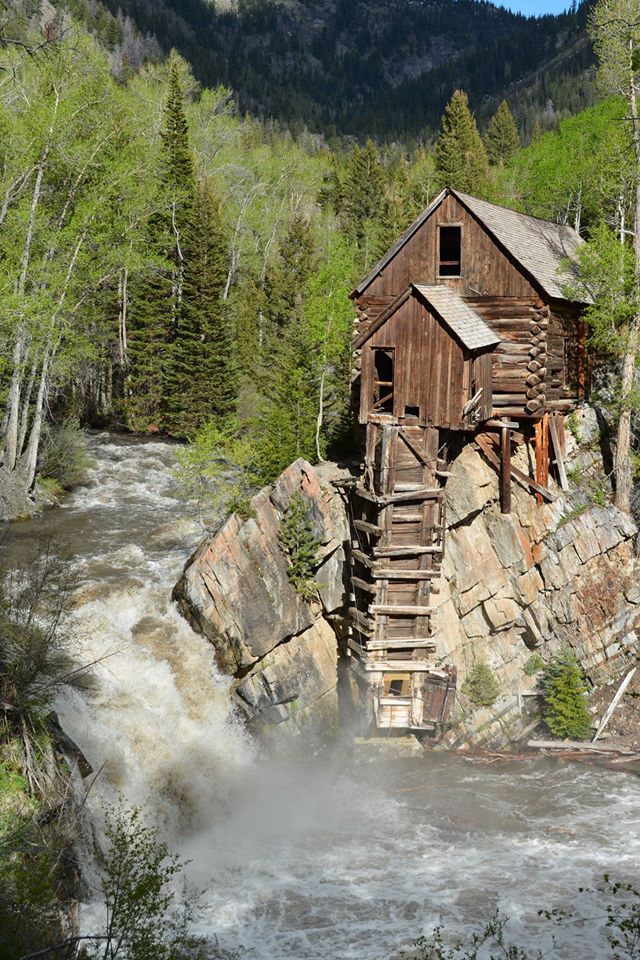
x=321 y=860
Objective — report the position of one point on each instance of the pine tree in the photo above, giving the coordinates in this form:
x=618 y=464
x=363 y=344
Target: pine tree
x=287 y=275
x=461 y=160
x=201 y=376
x=157 y=297
x=502 y=140
x=364 y=185
x=299 y=542
x=564 y=687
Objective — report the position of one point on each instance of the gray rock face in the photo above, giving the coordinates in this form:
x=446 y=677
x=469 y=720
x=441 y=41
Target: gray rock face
x=536 y=579
x=236 y=591
x=539 y=578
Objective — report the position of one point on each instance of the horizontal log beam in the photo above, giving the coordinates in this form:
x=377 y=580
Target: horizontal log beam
x=390 y=610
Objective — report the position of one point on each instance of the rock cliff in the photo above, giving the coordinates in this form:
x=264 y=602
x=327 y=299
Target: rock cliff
x=512 y=585
x=281 y=650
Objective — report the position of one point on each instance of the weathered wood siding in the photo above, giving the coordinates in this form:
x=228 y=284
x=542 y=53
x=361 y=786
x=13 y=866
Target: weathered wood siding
x=486 y=270
x=432 y=370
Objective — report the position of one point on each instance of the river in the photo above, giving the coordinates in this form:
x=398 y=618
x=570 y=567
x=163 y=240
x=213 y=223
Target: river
x=324 y=860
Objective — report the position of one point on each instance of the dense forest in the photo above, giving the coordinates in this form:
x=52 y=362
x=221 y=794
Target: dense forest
x=371 y=68
x=174 y=265
x=170 y=264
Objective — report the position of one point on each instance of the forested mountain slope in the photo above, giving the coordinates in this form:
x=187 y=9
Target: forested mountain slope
x=372 y=67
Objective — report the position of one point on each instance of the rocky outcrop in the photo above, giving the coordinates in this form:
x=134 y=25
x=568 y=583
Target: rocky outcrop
x=281 y=650
x=534 y=580
x=512 y=585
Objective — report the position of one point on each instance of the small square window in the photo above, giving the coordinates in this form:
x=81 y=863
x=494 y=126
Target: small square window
x=450 y=252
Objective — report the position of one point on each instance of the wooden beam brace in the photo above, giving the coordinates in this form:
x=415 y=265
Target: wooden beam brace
x=505 y=470
x=557 y=449
x=406 y=574
x=366 y=527
x=518 y=474
x=362 y=558
x=404 y=551
x=415 y=449
x=388 y=610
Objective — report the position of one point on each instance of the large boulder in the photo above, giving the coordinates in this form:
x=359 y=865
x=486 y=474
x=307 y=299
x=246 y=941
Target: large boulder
x=280 y=648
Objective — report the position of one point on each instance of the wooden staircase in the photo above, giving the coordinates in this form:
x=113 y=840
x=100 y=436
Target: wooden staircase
x=398 y=542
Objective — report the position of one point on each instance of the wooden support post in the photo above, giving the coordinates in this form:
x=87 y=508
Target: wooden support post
x=505 y=469
x=542 y=453
x=554 y=430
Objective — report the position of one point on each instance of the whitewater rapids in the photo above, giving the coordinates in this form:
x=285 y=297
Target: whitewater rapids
x=322 y=860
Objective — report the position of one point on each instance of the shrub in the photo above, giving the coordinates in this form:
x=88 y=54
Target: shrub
x=146 y=919
x=564 y=687
x=63 y=454
x=217 y=472
x=534 y=665
x=301 y=546
x=481 y=685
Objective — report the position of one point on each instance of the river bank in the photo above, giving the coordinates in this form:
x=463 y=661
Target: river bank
x=306 y=859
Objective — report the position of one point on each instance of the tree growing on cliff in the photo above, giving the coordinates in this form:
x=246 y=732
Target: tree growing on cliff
x=564 y=706
x=300 y=544
x=461 y=159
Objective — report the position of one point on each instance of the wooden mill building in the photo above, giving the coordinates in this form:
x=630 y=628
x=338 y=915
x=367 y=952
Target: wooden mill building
x=465 y=334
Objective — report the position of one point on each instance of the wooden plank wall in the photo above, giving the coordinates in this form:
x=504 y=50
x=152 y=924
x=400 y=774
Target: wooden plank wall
x=486 y=271
x=432 y=371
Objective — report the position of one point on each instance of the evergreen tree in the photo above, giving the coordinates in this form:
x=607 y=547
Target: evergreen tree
x=564 y=687
x=286 y=276
x=201 y=376
x=364 y=187
x=157 y=299
x=502 y=140
x=461 y=160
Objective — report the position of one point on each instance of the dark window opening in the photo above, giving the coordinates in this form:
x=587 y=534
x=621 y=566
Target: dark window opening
x=412 y=411
x=395 y=688
x=383 y=380
x=450 y=251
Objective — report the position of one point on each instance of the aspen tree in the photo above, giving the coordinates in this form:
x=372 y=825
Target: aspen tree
x=615 y=28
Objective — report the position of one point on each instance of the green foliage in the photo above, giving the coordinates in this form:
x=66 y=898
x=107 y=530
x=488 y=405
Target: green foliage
x=607 y=275
x=534 y=665
x=564 y=705
x=64 y=457
x=502 y=140
x=218 y=473
x=481 y=685
x=36 y=649
x=201 y=381
x=492 y=937
x=461 y=159
x=300 y=545
x=145 y=921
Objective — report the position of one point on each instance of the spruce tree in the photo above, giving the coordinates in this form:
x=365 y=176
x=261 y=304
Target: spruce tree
x=201 y=376
x=502 y=140
x=286 y=276
x=461 y=160
x=158 y=294
x=364 y=186
x=564 y=688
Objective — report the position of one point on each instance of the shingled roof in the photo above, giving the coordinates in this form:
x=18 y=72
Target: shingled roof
x=458 y=316
x=539 y=246
x=468 y=327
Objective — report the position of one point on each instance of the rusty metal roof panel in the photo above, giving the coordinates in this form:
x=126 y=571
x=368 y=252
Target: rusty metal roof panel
x=465 y=323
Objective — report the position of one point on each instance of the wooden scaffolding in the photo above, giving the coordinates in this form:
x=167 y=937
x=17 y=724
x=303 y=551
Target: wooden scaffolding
x=398 y=542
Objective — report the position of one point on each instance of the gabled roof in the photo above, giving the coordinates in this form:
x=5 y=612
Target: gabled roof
x=539 y=246
x=458 y=316
x=468 y=327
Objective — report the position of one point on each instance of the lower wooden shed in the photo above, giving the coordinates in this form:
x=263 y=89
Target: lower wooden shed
x=426 y=360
